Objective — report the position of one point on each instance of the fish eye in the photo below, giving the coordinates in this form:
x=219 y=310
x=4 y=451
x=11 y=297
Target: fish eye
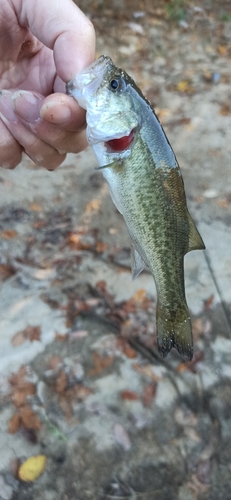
x=114 y=84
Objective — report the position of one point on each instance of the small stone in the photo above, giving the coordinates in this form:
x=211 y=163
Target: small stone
x=210 y=193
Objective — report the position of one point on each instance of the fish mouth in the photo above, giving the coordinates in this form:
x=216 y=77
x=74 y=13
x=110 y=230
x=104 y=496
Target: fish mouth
x=118 y=145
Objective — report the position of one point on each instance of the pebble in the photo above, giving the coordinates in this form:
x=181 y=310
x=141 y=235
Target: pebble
x=210 y=193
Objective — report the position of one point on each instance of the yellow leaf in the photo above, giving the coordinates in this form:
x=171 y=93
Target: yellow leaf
x=93 y=206
x=32 y=468
x=184 y=86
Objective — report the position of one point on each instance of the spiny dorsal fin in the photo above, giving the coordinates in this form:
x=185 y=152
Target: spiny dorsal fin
x=195 y=240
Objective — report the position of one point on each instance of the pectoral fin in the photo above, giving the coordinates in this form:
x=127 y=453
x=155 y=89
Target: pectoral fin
x=195 y=240
x=137 y=263
x=117 y=165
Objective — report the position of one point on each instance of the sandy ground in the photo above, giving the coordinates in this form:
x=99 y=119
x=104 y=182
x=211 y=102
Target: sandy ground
x=81 y=379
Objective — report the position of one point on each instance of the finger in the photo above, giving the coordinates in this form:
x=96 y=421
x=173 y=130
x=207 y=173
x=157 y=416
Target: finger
x=63 y=110
x=10 y=149
x=42 y=153
x=60 y=109
x=64 y=28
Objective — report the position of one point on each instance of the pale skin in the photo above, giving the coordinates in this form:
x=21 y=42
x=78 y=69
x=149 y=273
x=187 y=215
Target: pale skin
x=43 y=44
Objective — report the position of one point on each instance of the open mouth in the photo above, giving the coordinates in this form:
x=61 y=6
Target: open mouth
x=121 y=144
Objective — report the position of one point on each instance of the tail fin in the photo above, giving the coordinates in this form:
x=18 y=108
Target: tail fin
x=174 y=330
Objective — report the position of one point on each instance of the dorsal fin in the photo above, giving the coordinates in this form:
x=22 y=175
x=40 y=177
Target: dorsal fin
x=195 y=240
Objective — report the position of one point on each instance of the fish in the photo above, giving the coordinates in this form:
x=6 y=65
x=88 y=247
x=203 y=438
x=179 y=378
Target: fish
x=146 y=185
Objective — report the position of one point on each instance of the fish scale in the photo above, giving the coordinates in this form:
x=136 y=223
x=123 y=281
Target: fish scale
x=146 y=185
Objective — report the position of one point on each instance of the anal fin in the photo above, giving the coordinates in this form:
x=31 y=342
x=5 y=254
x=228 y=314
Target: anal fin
x=137 y=263
x=195 y=240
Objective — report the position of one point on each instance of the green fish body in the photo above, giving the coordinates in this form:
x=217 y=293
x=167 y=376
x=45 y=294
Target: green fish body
x=146 y=185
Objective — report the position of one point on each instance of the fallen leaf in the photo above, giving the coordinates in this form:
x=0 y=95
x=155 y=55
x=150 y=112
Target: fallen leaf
x=54 y=362
x=30 y=333
x=29 y=418
x=222 y=49
x=32 y=468
x=19 y=396
x=101 y=247
x=125 y=347
x=93 y=206
x=147 y=371
x=61 y=382
x=35 y=207
x=129 y=395
x=100 y=363
x=6 y=271
x=149 y=394
x=185 y=86
x=209 y=302
x=60 y=337
x=223 y=203
x=14 y=423
x=7 y=234
x=18 y=339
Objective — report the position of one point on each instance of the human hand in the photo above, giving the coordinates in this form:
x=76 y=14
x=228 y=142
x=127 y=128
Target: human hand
x=43 y=45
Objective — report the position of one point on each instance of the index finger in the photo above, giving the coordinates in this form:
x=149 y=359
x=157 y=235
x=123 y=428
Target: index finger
x=64 y=28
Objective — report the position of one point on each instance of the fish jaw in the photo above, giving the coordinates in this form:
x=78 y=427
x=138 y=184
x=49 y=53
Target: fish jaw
x=111 y=119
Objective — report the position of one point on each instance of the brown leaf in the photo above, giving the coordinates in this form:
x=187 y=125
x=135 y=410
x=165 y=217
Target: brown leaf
x=100 y=363
x=29 y=418
x=18 y=339
x=35 y=207
x=209 y=302
x=125 y=347
x=149 y=394
x=147 y=371
x=6 y=271
x=129 y=395
x=61 y=382
x=19 y=396
x=7 y=234
x=14 y=423
x=101 y=246
x=60 y=337
x=54 y=362
x=29 y=333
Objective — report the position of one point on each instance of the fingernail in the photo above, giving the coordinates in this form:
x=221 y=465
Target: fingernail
x=55 y=112
x=6 y=110
x=27 y=105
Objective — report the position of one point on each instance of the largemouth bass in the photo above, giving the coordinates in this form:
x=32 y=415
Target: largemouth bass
x=146 y=186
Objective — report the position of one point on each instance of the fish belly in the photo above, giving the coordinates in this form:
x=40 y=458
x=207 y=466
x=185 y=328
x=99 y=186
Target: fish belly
x=152 y=202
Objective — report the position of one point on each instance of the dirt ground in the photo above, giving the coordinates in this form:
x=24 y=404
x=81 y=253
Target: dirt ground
x=82 y=382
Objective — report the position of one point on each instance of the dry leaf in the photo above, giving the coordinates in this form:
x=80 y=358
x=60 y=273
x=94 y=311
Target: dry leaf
x=100 y=364
x=222 y=49
x=126 y=349
x=54 y=362
x=147 y=371
x=7 y=234
x=32 y=468
x=101 y=246
x=14 y=423
x=29 y=333
x=149 y=394
x=61 y=382
x=92 y=206
x=18 y=339
x=35 y=207
x=29 y=418
x=185 y=86
x=129 y=395
x=6 y=271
